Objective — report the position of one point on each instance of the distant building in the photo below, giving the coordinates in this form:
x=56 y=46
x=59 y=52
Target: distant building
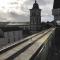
x=56 y=12
x=35 y=18
x=22 y=25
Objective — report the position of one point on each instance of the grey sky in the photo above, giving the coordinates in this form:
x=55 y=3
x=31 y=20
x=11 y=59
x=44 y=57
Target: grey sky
x=18 y=10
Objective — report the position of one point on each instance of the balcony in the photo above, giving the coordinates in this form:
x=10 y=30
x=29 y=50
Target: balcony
x=34 y=47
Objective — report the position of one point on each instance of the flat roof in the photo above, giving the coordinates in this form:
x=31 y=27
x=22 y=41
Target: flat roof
x=5 y=29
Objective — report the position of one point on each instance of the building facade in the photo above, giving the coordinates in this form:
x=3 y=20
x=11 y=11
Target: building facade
x=35 y=18
x=56 y=12
x=10 y=35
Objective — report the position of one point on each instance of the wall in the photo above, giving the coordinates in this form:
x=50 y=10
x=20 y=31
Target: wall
x=10 y=37
x=43 y=54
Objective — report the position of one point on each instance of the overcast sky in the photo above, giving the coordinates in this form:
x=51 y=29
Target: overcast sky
x=18 y=10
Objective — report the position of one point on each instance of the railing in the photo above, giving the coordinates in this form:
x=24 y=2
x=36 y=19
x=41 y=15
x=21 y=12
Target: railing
x=29 y=48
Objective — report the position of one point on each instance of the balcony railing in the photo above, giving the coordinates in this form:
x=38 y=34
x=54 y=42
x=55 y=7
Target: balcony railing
x=33 y=47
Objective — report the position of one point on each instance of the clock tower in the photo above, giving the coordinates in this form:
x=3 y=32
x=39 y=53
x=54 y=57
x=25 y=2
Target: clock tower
x=35 y=18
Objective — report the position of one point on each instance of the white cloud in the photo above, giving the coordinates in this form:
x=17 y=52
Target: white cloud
x=20 y=9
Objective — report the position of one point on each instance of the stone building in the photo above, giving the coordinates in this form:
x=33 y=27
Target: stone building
x=35 y=18
x=56 y=12
x=10 y=35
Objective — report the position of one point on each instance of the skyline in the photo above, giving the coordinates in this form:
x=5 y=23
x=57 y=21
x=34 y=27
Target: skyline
x=18 y=10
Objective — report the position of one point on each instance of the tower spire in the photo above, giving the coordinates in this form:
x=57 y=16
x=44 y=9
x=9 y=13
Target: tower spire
x=35 y=1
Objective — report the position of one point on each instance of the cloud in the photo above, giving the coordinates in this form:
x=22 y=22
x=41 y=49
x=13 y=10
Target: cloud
x=43 y=3
x=47 y=18
x=18 y=10
x=16 y=17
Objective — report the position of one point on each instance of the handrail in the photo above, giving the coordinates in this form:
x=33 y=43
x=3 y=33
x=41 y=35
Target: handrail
x=38 y=44
x=4 y=49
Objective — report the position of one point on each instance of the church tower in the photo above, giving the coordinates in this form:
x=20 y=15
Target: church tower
x=56 y=12
x=35 y=18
